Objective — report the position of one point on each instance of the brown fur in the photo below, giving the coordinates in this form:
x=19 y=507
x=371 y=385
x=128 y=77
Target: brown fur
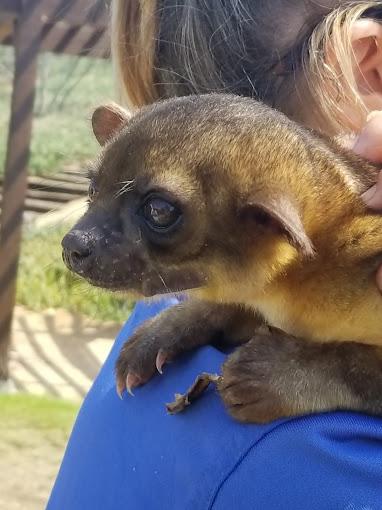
x=272 y=226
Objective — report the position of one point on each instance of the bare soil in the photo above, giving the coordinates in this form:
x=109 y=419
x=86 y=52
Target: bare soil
x=29 y=462
x=55 y=355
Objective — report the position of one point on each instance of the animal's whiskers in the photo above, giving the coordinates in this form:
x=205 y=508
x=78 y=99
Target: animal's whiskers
x=126 y=187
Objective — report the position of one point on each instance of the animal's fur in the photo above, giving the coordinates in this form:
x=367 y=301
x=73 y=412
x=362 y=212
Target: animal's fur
x=272 y=226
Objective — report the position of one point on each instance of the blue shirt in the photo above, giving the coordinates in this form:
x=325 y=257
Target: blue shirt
x=131 y=454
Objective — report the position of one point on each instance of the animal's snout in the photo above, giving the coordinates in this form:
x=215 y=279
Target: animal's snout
x=78 y=250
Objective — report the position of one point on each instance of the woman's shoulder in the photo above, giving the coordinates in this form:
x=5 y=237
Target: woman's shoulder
x=130 y=453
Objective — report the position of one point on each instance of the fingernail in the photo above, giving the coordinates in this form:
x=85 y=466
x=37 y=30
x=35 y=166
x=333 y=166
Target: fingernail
x=379 y=278
x=372 y=115
x=369 y=194
x=373 y=196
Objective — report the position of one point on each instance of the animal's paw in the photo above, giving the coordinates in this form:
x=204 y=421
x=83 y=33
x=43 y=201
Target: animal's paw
x=156 y=342
x=140 y=358
x=248 y=385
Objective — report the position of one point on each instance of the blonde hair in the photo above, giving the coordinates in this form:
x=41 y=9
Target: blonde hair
x=133 y=35
x=176 y=47
x=330 y=66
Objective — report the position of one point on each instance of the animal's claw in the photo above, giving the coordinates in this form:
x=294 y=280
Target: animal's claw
x=120 y=388
x=160 y=360
x=132 y=380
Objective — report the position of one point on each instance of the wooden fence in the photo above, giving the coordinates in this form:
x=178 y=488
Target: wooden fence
x=75 y=27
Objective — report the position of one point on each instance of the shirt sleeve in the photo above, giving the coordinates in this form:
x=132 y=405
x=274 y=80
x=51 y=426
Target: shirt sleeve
x=131 y=454
x=321 y=462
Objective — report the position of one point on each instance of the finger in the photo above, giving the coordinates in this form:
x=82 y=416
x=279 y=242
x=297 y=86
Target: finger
x=369 y=142
x=379 y=278
x=373 y=196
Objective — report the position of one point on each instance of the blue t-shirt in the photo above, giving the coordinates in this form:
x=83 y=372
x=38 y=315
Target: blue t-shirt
x=131 y=454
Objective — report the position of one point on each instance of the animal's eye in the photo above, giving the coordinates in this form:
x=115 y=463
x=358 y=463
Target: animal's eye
x=93 y=191
x=160 y=214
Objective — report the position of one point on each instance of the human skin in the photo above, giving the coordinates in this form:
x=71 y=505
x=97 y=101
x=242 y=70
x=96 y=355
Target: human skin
x=369 y=145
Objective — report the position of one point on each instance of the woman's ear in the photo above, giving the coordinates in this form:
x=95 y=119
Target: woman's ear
x=366 y=39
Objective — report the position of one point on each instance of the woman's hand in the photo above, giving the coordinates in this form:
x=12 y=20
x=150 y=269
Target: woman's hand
x=369 y=145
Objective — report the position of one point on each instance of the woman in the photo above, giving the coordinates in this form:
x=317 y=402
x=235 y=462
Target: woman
x=321 y=63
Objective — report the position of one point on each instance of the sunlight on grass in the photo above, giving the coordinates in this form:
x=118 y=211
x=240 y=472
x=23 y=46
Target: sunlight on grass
x=43 y=413
x=68 y=90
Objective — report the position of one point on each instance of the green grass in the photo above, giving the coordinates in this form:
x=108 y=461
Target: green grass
x=34 y=412
x=68 y=90
x=44 y=282
x=30 y=423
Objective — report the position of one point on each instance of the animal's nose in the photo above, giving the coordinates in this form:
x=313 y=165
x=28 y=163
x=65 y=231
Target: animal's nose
x=77 y=250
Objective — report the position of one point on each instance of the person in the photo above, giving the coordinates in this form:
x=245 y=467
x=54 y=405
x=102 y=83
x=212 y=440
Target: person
x=321 y=64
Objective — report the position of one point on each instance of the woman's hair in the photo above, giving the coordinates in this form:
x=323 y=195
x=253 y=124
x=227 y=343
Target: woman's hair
x=274 y=50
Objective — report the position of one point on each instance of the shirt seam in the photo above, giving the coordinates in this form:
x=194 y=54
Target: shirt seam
x=244 y=455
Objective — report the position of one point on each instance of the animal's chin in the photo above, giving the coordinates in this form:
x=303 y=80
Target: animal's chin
x=144 y=292
x=152 y=284
x=113 y=285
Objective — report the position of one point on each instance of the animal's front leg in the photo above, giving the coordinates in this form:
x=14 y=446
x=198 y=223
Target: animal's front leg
x=181 y=328
x=279 y=375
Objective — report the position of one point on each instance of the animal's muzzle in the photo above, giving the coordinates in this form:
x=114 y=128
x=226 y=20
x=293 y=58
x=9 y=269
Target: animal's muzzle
x=78 y=251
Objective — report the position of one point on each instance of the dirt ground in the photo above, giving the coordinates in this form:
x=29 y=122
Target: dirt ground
x=55 y=354
x=58 y=353
x=29 y=461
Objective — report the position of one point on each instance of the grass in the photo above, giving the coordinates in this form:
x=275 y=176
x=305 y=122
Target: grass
x=68 y=89
x=44 y=282
x=37 y=413
x=34 y=430
x=29 y=420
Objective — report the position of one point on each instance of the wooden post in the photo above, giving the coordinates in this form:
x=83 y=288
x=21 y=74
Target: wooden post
x=27 y=38
x=27 y=42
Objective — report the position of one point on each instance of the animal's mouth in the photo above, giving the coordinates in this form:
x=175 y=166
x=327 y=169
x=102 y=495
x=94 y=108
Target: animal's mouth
x=105 y=274
x=123 y=286
x=109 y=285
x=143 y=289
x=141 y=280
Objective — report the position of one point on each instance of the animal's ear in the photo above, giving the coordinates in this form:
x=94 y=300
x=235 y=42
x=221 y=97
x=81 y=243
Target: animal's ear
x=278 y=213
x=107 y=120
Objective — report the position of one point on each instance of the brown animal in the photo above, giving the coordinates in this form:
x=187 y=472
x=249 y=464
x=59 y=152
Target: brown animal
x=260 y=222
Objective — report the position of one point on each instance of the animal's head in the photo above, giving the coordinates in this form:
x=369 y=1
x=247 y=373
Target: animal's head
x=191 y=193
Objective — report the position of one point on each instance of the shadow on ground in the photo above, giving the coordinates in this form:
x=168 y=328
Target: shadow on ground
x=58 y=353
